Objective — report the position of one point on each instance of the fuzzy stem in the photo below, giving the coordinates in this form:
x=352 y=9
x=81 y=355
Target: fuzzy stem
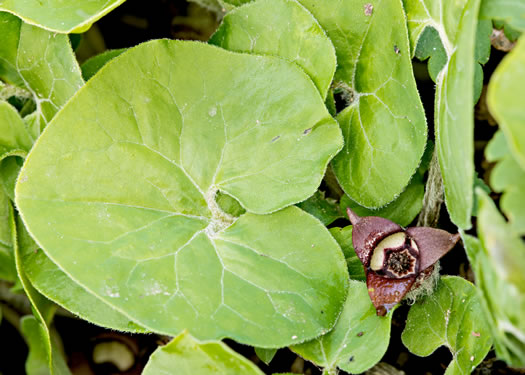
x=429 y=215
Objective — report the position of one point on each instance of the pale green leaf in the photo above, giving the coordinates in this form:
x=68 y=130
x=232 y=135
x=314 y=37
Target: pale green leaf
x=359 y=339
x=453 y=317
x=402 y=210
x=73 y=16
x=508 y=178
x=504 y=246
x=384 y=126
x=456 y=24
x=325 y=209
x=503 y=301
x=39 y=61
x=281 y=28
x=120 y=194
x=511 y=12
x=186 y=356
x=343 y=236
x=504 y=98
x=265 y=355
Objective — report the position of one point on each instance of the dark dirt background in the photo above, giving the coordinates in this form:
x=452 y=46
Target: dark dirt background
x=138 y=21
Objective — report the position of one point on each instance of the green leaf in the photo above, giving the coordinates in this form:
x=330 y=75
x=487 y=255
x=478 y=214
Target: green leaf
x=359 y=339
x=265 y=355
x=229 y=205
x=36 y=336
x=511 y=12
x=281 y=28
x=452 y=317
x=402 y=210
x=508 y=178
x=122 y=186
x=15 y=141
x=74 y=16
x=37 y=329
x=92 y=65
x=503 y=301
x=186 y=356
x=325 y=209
x=504 y=245
x=343 y=236
x=7 y=260
x=384 y=125
x=503 y=98
x=39 y=61
x=14 y=138
x=456 y=24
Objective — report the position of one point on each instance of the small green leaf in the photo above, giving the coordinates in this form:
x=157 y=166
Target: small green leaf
x=13 y=133
x=229 y=205
x=281 y=28
x=503 y=294
x=402 y=210
x=325 y=209
x=359 y=339
x=15 y=142
x=265 y=355
x=452 y=317
x=343 y=236
x=39 y=61
x=74 y=16
x=92 y=65
x=504 y=95
x=7 y=260
x=456 y=25
x=37 y=329
x=186 y=356
x=510 y=11
x=37 y=362
x=508 y=178
x=120 y=192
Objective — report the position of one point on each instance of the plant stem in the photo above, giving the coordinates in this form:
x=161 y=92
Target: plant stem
x=429 y=215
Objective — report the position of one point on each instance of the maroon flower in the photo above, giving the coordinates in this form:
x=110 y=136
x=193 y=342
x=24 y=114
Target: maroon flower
x=393 y=257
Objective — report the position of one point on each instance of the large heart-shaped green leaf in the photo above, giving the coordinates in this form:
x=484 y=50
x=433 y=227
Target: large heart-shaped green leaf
x=452 y=317
x=357 y=342
x=504 y=97
x=456 y=25
x=39 y=61
x=73 y=16
x=120 y=194
x=384 y=126
x=186 y=356
x=281 y=28
x=497 y=262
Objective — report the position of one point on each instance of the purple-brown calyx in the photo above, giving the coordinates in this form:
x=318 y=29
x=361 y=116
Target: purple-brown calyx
x=394 y=257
